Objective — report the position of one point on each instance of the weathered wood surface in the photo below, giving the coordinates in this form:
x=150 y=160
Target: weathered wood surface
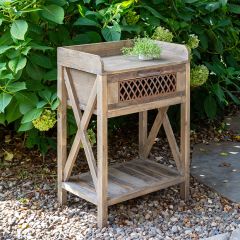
x=125 y=181
x=102 y=151
x=103 y=58
x=185 y=137
x=61 y=134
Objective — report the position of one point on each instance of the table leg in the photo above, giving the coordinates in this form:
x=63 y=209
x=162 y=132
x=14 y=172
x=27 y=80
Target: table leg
x=62 y=135
x=143 y=131
x=102 y=151
x=185 y=137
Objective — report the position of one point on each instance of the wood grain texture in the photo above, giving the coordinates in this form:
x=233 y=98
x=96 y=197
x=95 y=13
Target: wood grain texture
x=61 y=135
x=80 y=60
x=102 y=151
x=185 y=137
x=172 y=143
x=154 y=130
x=126 y=181
x=143 y=132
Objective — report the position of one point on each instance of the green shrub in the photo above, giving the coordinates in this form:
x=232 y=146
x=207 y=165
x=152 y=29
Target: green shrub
x=30 y=31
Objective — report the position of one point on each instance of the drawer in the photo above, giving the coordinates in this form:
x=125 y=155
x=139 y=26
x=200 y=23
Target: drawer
x=143 y=86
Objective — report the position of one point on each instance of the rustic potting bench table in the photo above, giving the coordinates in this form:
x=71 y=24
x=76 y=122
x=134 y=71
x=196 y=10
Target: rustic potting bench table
x=98 y=79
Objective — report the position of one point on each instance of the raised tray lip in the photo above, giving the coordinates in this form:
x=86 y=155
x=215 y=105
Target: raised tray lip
x=91 y=52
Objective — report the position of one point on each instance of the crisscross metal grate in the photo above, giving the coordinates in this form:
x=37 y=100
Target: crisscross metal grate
x=146 y=87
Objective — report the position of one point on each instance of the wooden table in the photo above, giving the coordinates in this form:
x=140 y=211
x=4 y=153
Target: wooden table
x=98 y=79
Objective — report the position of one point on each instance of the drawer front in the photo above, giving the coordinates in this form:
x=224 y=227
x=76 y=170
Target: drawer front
x=147 y=87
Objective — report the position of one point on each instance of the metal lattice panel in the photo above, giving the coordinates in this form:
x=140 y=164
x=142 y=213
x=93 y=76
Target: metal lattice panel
x=146 y=87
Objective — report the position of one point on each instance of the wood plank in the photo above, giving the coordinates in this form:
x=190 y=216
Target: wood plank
x=132 y=74
x=143 y=131
x=90 y=107
x=154 y=131
x=147 y=171
x=72 y=156
x=81 y=106
x=79 y=60
x=133 y=172
x=162 y=169
x=114 y=111
x=120 y=63
x=102 y=151
x=145 y=190
x=132 y=181
x=185 y=137
x=81 y=191
x=72 y=96
x=61 y=134
x=172 y=142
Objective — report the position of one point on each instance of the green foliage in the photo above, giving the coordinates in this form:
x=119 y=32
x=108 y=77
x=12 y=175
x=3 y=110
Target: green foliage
x=144 y=47
x=45 y=121
x=31 y=30
x=162 y=34
x=199 y=75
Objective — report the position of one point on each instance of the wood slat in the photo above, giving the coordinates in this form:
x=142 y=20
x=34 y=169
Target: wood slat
x=172 y=143
x=154 y=131
x=80 y=190
x=115 y=111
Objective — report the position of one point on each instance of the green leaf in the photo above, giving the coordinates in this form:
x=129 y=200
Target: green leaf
x=51 y=75
x=27 y=101
x=154 y=12
x=12 y=111
x=235 y=99
x=46 y=94
x=111 y=33
x=213 y=6
x=5 y=99
x=17 y=64
x=2 y=118
x=55 y=104
x=16 y=87
x=25 y=127
x=36 y=46
x=58 y=2
x=218 y=92
x=53 y=13
x=83 y=21
x=31 y=115
x=19 y=29
x=234 y=8
x=41 y=104
x=41 y=60
x=210 y=107
x=34 y=71
x=3 y=49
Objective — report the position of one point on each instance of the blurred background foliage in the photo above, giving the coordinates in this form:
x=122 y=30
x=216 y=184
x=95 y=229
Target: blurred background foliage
x=30 y=32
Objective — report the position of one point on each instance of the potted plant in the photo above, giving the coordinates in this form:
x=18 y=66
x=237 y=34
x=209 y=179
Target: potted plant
x=144 y=48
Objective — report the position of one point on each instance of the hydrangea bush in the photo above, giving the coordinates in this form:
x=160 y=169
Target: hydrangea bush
x=32 y=30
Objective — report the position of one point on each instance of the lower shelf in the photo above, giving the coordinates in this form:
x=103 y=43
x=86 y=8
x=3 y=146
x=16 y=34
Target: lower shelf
x=126 y=181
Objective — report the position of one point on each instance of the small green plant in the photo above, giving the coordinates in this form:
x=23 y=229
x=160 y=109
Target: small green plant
x=145 y=48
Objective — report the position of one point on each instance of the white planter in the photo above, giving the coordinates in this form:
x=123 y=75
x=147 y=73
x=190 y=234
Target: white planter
x=144 y=58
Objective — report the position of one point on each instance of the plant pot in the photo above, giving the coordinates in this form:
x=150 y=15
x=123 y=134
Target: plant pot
x=144 y=57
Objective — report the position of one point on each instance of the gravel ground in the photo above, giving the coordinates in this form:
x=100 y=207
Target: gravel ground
x=29 y=210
